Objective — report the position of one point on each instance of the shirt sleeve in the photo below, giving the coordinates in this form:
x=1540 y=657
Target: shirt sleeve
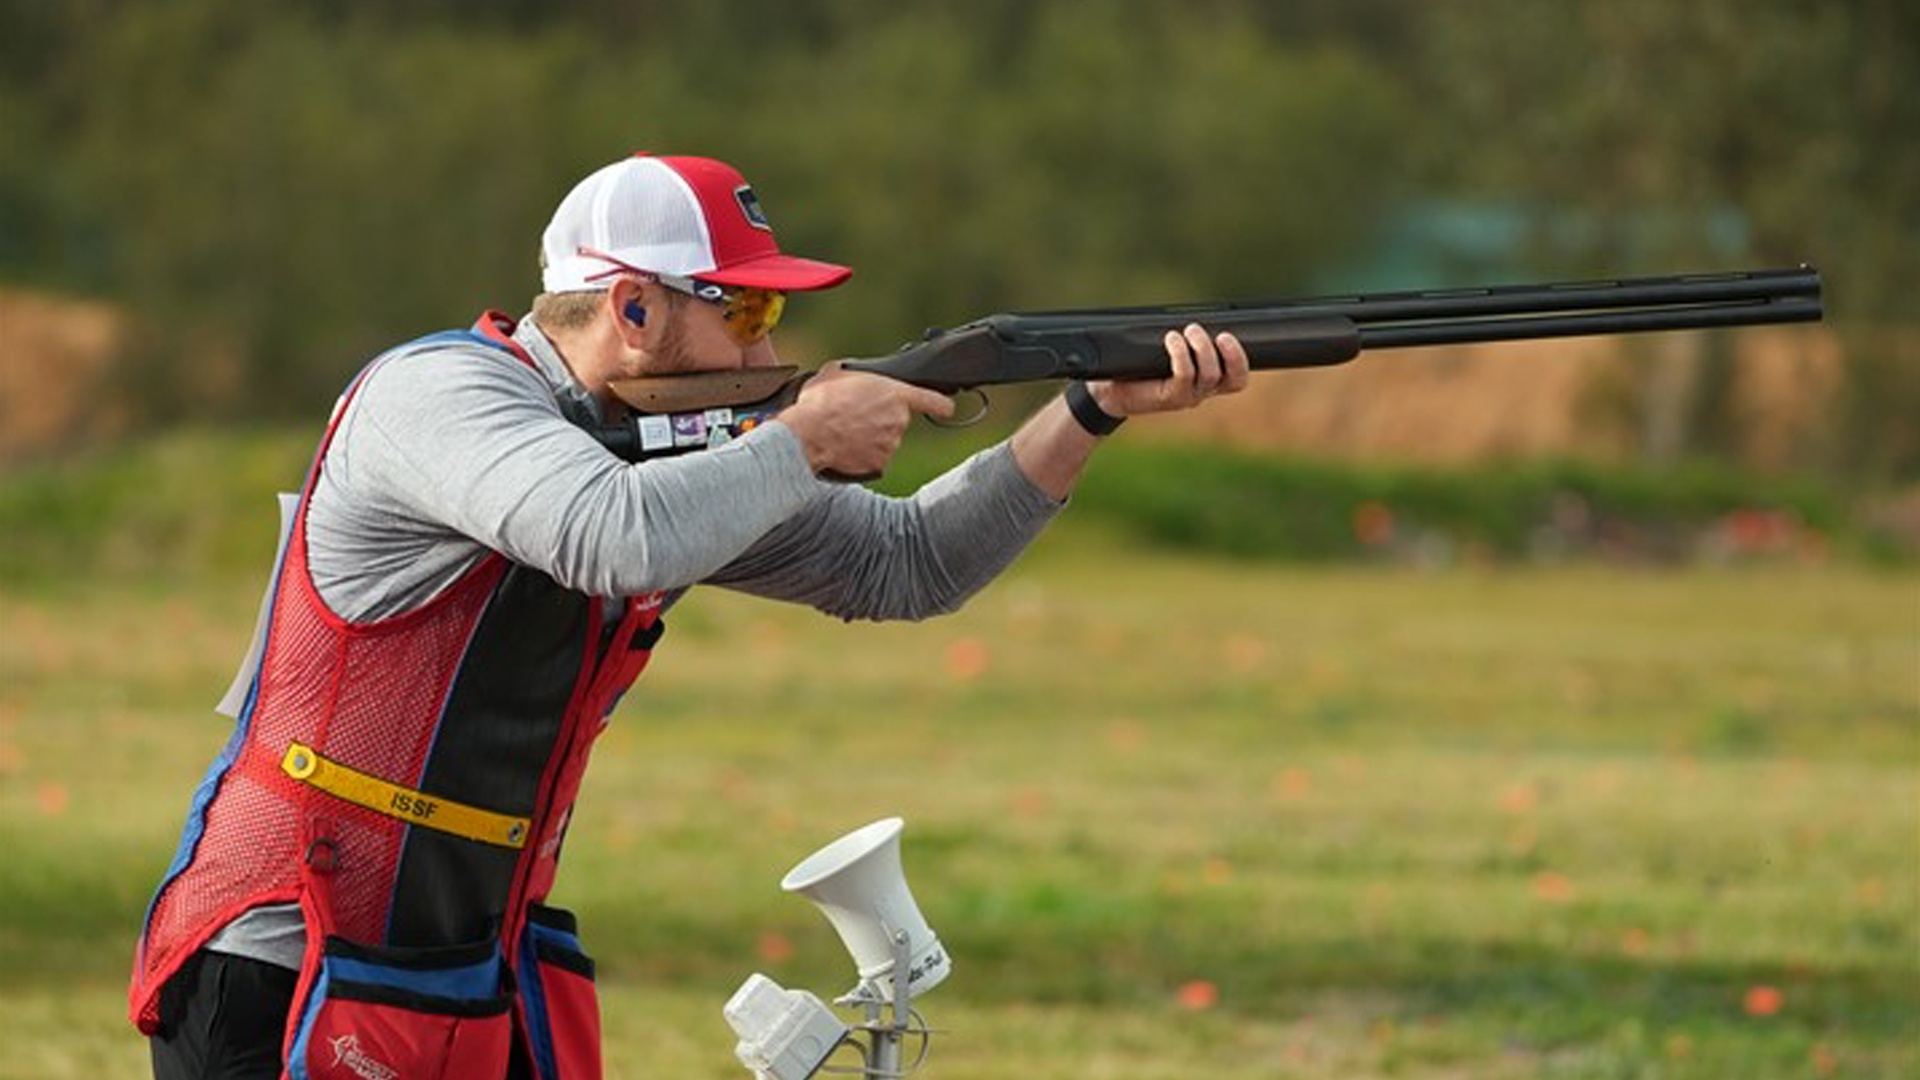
x=443 y=456
x=857 y=555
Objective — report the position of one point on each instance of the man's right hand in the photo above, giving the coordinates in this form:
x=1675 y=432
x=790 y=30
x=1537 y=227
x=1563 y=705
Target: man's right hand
x=850 y=423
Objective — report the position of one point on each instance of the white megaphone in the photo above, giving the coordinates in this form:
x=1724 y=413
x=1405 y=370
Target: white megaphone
x=857 y=882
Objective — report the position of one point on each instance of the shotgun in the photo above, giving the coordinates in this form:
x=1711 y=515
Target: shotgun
x=679 y=413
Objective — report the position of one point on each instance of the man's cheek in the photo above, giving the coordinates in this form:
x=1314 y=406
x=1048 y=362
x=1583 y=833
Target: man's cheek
x=760 y=354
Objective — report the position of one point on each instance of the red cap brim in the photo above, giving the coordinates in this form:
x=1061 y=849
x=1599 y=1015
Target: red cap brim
x=786 y=273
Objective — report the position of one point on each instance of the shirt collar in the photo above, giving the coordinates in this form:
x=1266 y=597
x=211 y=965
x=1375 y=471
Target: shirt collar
x=576 y=404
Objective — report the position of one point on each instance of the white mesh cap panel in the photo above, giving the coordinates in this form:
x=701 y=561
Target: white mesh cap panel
x=637 y=210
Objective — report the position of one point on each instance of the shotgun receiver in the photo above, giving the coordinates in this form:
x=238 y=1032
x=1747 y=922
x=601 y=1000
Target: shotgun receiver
x=687 y=412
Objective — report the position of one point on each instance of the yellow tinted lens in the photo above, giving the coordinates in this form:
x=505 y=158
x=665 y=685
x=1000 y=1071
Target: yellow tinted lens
x=751 y=313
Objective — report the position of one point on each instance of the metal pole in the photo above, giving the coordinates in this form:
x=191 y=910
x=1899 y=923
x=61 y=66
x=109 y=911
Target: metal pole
x=885 y=1064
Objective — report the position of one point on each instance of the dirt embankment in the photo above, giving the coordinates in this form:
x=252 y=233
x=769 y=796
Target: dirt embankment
x=1594 y=398
x=1604 y=398
x=56 y=360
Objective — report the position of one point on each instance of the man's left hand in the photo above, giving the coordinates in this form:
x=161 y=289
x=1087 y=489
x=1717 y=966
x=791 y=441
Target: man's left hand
x=1202 y=367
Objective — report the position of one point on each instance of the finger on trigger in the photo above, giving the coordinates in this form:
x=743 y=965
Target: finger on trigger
x=928 y=402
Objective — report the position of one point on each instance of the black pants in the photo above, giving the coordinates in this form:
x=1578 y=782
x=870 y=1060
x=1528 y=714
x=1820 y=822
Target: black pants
x=223 y=1018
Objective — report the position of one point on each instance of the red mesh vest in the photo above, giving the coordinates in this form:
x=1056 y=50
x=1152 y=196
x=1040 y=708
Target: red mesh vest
x=490 y=695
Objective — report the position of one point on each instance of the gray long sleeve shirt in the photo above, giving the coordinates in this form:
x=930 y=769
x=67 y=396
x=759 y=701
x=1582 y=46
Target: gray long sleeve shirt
x=446 y=455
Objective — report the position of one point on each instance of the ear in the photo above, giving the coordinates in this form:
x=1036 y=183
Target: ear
x=627 y=305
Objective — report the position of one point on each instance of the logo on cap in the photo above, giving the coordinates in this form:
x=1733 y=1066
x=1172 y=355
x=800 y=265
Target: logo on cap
x=750 y=206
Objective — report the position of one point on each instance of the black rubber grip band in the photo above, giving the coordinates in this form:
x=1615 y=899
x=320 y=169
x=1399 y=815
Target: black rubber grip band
x=1088 y=413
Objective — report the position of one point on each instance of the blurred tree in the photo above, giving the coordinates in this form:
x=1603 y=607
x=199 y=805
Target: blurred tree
x=303 y=184
x=1103 y=153
x=1798 y=115
x=294 y=186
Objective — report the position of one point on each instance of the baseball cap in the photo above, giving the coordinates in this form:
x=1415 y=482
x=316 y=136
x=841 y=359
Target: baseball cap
x=685 y=216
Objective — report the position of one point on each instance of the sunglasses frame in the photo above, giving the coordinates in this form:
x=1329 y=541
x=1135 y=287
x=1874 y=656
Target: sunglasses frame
x=729 y=298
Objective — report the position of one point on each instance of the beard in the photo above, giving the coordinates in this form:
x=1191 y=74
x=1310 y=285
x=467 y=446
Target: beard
x=671 y=353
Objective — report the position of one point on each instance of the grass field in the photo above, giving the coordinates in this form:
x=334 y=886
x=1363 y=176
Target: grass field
x=1173 y=817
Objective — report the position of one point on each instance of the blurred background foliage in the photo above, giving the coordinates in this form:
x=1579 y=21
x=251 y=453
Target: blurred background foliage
x=274 y=192
x=1556 y=820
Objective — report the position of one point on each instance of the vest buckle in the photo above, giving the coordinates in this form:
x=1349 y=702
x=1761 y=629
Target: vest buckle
x=323 y=856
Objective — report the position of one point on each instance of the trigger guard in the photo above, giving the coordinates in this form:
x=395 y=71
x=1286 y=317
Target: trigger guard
x=968 y=421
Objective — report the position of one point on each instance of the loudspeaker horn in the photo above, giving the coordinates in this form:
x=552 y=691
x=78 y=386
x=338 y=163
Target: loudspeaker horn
x=858 y=883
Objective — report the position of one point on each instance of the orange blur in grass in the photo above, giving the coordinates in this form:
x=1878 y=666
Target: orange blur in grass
x=967 y=659
x=1198 y=995
x=775 y=948
x=1763 y=1001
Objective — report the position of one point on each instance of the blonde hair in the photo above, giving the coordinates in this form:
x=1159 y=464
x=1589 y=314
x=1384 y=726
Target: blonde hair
x=566 y=310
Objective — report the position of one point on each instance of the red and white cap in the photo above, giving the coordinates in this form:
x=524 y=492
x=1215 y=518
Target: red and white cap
x=685 y=216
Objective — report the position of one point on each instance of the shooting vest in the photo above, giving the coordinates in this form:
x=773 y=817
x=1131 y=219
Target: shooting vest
x=408 y=782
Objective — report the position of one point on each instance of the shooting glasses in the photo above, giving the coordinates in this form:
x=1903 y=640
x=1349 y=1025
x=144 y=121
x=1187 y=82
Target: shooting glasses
x=749 y=313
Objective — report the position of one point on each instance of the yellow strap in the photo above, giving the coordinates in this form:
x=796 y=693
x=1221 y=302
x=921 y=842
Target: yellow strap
x=413 y=807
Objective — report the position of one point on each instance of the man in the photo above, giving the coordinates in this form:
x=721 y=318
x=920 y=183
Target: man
x=470 y=583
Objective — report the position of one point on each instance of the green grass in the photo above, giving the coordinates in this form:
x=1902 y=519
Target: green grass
x=199 y=503
x=1521 y=822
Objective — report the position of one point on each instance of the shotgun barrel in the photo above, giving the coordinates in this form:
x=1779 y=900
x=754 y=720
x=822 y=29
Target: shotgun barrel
x=1126 y=343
